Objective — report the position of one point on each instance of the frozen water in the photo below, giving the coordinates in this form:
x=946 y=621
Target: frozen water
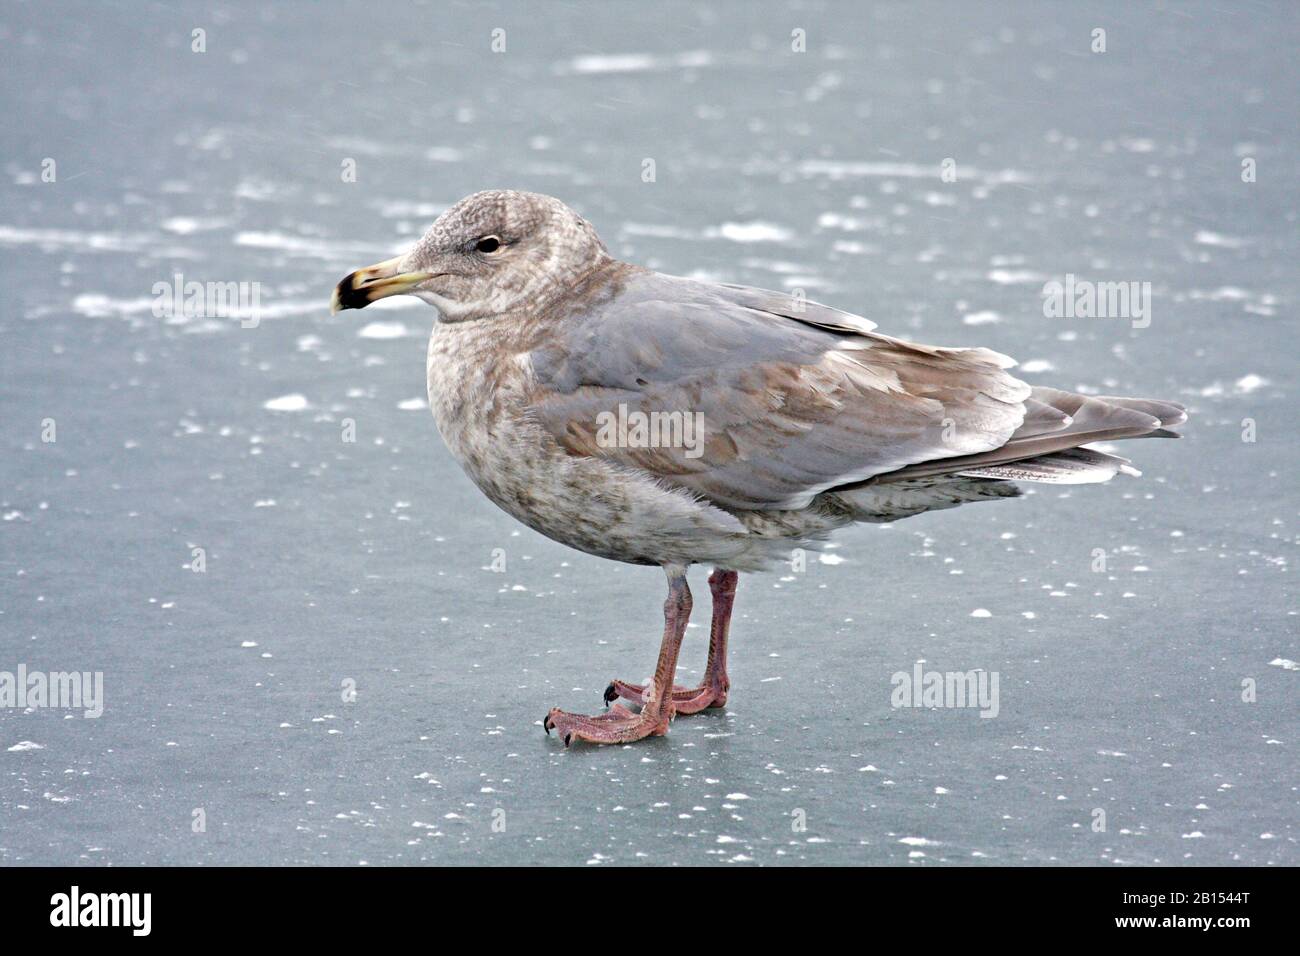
x=317 y=650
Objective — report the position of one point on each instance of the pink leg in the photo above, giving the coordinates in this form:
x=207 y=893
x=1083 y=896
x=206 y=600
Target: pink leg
x=619 y=725
x=713 y=692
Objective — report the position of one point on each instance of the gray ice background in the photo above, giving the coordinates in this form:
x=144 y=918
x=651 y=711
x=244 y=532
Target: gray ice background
x=329 y=562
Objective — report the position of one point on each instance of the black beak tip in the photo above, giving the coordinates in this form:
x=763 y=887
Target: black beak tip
x=347 y=295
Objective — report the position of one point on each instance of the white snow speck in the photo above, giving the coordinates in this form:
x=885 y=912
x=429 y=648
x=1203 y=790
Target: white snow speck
x=1014 y=276
x=1034 y=366
x=383 y=330
x=1248 y=383
x=288 y=403
x=753 y=232
x=635 y=62
x=1206 y=238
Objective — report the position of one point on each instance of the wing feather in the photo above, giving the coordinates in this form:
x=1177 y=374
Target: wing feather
x=792 y=398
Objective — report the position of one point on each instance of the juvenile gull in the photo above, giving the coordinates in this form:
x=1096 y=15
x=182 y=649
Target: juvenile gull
x=653 y=419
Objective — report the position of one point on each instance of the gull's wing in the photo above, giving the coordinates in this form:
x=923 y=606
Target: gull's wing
x=791 y=398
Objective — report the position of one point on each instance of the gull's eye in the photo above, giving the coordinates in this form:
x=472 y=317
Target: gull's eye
x=488 y=244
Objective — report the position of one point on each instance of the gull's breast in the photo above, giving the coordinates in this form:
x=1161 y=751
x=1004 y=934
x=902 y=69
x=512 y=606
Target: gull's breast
x=480 y=390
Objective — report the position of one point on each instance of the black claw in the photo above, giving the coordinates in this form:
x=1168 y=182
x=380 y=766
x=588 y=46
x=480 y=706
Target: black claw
x=611 y=695
x=567 y=737
x=546 y=724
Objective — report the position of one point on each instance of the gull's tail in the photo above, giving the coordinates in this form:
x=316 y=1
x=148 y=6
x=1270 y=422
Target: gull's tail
x=1046 y=447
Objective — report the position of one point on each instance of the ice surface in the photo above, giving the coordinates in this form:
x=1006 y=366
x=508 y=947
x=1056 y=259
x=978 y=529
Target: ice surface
x=350 y=678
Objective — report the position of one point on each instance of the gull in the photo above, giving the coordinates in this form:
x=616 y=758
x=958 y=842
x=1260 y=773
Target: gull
x=660 y=420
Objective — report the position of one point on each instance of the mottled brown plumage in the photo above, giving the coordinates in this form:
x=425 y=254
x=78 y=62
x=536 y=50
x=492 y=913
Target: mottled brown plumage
x=772 y=420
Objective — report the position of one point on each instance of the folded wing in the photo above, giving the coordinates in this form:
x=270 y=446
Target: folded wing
x=763 y=400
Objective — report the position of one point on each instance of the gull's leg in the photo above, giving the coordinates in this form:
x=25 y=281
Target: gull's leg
x=713 y=692
x=619 y=725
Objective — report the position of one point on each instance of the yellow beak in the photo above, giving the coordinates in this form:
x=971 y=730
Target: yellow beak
x=364 y=286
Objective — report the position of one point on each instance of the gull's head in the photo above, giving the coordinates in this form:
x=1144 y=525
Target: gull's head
x=489 y=254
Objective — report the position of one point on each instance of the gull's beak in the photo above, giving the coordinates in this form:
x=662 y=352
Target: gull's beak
x=382 y=279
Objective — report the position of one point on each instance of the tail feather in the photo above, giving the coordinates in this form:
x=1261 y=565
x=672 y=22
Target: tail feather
x=1046 y=447
x=1074 y=466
